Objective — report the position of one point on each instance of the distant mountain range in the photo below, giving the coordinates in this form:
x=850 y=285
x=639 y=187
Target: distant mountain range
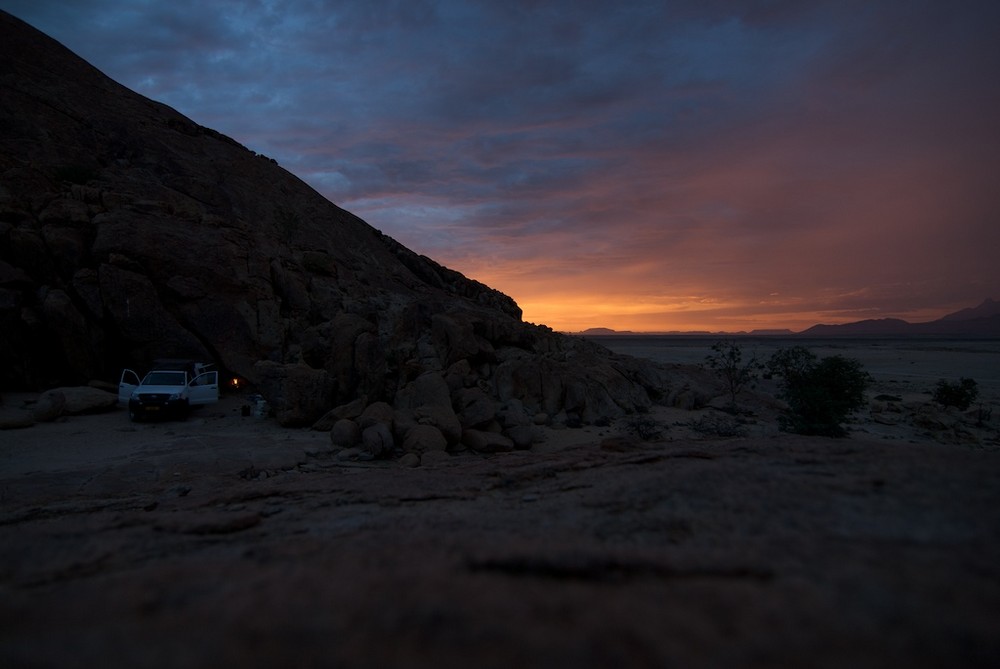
x=982 y=321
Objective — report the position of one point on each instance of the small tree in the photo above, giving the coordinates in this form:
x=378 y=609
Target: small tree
x=727 y=360
x=960 y=395
x=820 y=394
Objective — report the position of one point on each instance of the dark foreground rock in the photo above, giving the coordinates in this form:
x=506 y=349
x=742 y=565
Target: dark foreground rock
x=185 y=548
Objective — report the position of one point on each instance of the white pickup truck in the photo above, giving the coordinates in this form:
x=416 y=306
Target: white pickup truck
x=170 y=389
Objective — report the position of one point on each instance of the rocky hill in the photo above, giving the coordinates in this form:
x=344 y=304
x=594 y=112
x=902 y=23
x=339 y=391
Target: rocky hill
x=129 y=232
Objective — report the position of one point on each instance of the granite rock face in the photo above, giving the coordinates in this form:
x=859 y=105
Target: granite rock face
x=128 y=232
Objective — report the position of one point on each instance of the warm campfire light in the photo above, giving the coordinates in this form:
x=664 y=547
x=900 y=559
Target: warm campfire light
x=235 y=383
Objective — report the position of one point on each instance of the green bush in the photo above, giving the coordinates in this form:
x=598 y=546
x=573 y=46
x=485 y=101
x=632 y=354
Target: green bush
x=960 y=395
x=820 y=393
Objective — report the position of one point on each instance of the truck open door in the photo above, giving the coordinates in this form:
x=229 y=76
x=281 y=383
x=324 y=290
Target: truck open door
x=204 y=389
x=127 y=385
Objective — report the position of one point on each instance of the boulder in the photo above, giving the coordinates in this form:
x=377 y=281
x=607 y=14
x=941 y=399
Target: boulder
x=298 y=394
x=584 y=380
x=459 y=375
x=688 y=397
x=349 y=410
x=887 y=418
x=377 y=440
x=486 y=442
x=12 y=419
x=409 y=460
x=428 y=389
x=356 y=453
x=423 y=438
x=931 y=417
x=518 y=375
x=76 y=340
x=85 y=399
x=431 y=458
x=345 y=433
x=513 y=414
x=443 y=418
x=403 y=421
x=325 y=422
x=49 y=406
x=377 y=413
x=524 y=436
x=350 y=349
x=474 y=407
x=455 y=339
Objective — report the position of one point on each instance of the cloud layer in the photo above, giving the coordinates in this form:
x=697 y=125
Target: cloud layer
x=635 y=165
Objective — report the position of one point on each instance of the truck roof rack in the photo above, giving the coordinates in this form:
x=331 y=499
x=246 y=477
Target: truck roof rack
x=177 y=364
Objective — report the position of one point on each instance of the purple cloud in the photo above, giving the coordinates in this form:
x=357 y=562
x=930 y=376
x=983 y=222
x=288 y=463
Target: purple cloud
x=705 y=164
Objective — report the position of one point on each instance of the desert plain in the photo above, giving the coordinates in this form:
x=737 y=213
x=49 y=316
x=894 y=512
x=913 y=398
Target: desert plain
x=226 y=540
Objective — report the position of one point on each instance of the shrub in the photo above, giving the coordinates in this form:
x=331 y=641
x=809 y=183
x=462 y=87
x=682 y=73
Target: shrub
x=727 y=360
x=645 y=427
x=719 y=426
x=820 y=394
x=960 y=395
x=791 y=362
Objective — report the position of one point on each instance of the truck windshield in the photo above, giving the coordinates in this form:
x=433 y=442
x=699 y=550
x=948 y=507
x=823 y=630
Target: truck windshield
x=164 y=379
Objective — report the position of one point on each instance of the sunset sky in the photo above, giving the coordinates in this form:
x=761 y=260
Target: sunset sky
x=701 y=164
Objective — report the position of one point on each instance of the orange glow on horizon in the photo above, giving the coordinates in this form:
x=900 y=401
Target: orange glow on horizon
x=623 y=311
x=562 y=318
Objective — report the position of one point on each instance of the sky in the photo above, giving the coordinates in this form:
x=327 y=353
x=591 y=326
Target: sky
x=715 y=165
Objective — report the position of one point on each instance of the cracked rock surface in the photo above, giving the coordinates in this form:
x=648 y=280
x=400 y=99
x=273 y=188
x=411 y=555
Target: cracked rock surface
x=228 y=541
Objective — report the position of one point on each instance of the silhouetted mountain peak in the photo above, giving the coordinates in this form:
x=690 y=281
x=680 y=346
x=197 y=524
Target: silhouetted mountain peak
x=988 y=307
x=979 y=321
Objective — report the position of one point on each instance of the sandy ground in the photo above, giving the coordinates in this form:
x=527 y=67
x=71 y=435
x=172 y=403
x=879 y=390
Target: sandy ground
x=226 y=540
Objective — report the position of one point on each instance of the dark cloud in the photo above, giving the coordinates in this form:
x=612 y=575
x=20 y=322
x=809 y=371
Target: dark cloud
x=636 y=164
